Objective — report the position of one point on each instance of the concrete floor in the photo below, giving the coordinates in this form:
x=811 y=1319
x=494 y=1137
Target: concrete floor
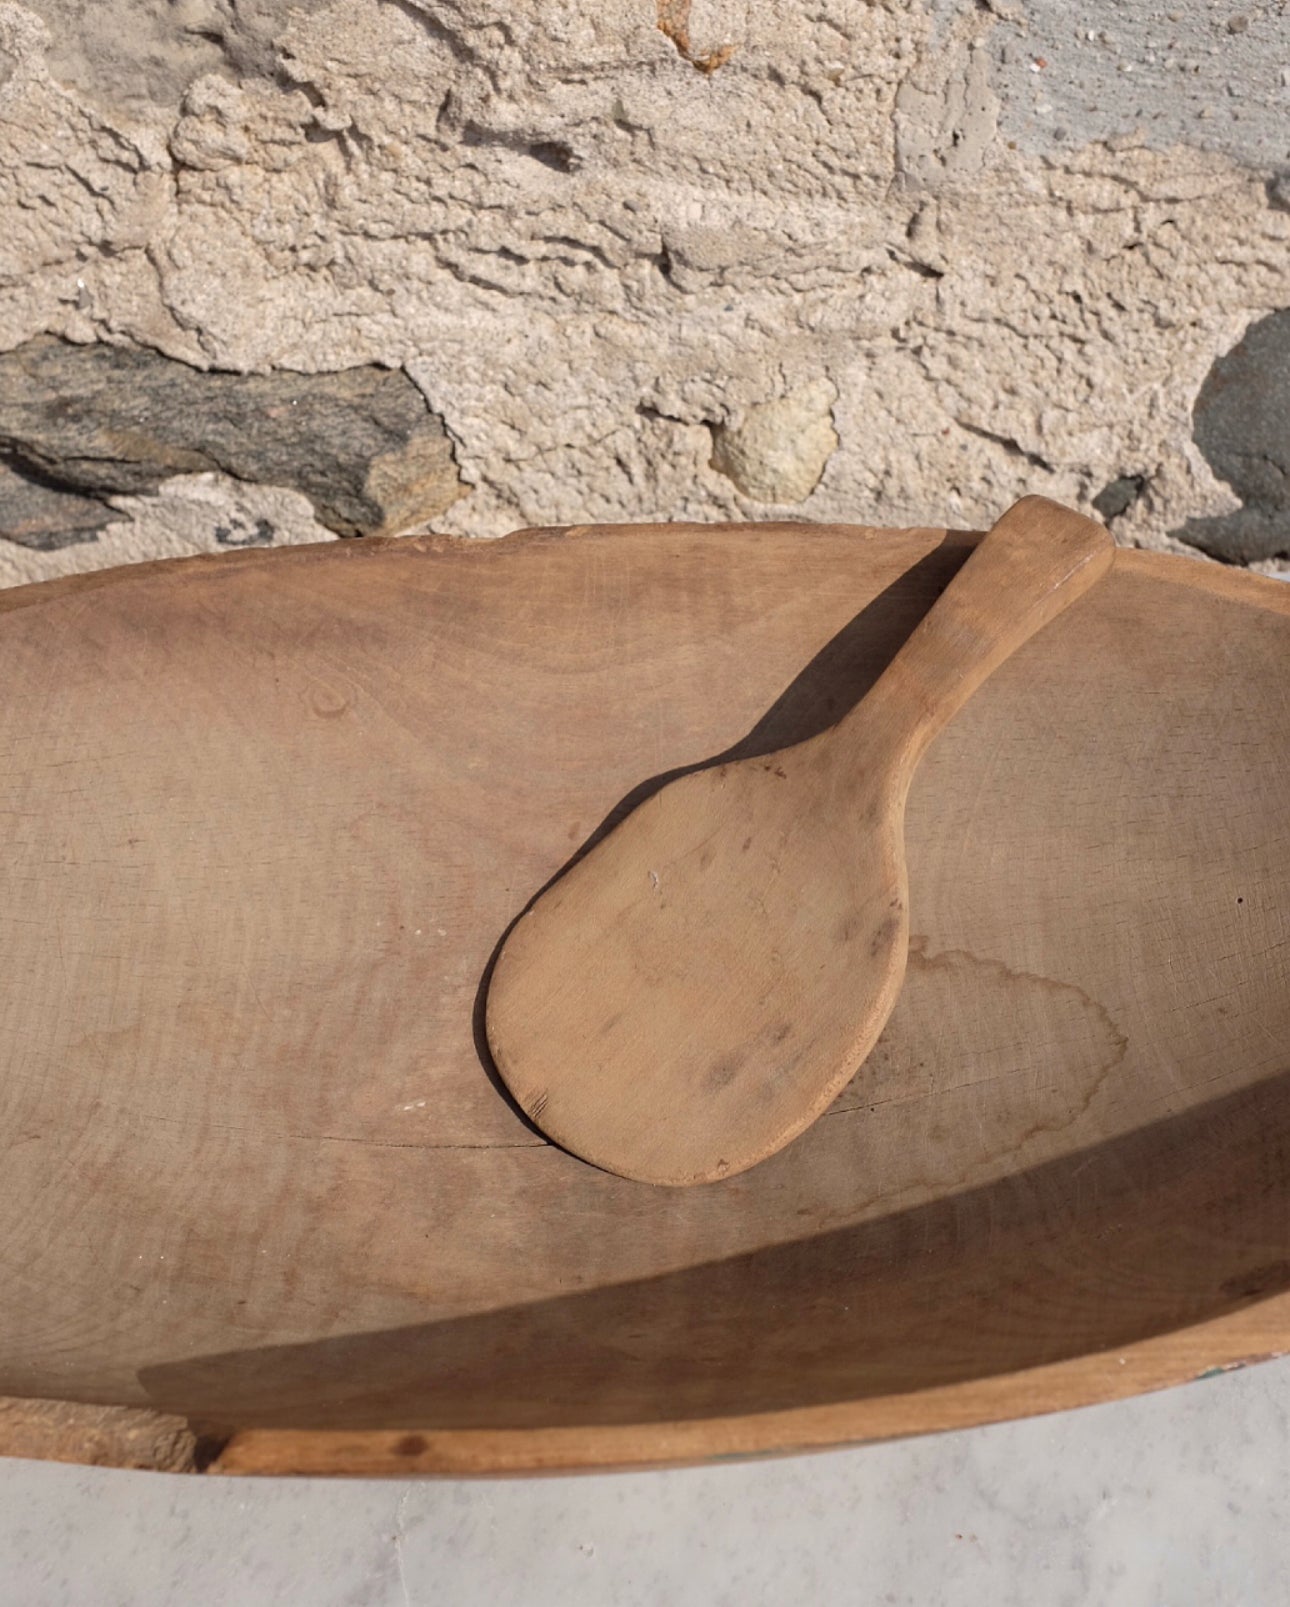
x=1170 y=1500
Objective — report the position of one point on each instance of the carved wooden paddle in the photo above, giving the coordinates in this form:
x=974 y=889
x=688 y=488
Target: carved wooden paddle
x=695 y=991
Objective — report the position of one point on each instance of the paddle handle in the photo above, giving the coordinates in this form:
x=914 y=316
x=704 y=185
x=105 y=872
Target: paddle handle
x=1035 y=562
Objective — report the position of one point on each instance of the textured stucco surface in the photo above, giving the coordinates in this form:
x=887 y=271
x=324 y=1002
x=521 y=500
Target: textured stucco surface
x=993 y=254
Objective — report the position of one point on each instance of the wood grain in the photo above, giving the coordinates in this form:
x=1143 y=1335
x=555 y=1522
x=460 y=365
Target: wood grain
x=265 y=817
x=697 y=989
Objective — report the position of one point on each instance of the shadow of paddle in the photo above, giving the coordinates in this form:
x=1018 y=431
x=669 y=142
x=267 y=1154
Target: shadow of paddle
x=818 y=696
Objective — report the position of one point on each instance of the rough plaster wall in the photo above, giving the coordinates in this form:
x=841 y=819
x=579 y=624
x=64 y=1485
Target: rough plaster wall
x=867 y=262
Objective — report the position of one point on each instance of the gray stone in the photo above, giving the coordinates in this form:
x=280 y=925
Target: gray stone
x=1119 y=495
x=1242 y=425
x=45 y=519
x=99 y=420
x=1248 y=536
x=191 y=513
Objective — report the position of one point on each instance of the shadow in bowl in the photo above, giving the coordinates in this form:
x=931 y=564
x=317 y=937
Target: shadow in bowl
x=1152 y=1231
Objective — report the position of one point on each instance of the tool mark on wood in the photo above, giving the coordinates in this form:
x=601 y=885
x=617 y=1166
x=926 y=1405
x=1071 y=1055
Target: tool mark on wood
x=289 y=1136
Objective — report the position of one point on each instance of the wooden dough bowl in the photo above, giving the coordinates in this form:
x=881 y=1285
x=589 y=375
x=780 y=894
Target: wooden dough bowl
x=264 y=1209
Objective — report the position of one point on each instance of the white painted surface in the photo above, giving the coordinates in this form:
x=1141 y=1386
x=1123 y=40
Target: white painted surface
x=1174 y=1500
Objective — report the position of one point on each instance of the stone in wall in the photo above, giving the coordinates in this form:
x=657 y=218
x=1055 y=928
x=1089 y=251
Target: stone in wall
x=187 y=514
x=91 y=421
x=44 y=518
x=779 y=450
x=1242 y=426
